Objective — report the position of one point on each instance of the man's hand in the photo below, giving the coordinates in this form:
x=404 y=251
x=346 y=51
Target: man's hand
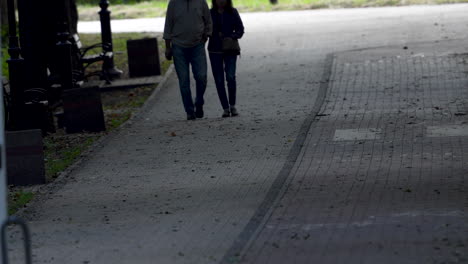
x=168 y=49
x=205 y=38
x=169 y=53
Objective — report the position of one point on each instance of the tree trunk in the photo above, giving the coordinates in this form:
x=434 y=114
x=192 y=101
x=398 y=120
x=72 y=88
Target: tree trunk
x=4 y=13
x=73 y=20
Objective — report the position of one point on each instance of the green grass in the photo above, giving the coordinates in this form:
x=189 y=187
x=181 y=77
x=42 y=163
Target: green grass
x=4 y=51
x=62 y=150
x=120 y=11
x=93 y=2
x=157 y=8
x=17 y=200
x=119 y=106
x=116 y=120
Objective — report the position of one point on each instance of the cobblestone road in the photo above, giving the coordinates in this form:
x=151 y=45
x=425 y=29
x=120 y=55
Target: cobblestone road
x=383 y=175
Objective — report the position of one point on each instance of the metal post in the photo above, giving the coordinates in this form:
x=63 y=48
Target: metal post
x=13 y=40
x=16 y=69
x=26 y=239
x=3 y=172
x=64 y=47
x=106 y=35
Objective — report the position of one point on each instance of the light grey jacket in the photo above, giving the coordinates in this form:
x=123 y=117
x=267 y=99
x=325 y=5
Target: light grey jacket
x=188 y=22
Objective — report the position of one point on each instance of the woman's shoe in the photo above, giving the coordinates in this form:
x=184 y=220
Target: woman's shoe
x=199 y=112
x=234 y=111
x=226 y=113
x=191 y=116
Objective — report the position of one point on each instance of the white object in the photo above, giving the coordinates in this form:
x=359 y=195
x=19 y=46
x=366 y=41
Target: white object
x=357 y=134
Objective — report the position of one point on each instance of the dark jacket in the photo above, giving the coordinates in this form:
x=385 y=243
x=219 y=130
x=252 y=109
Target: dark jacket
x=229 y=23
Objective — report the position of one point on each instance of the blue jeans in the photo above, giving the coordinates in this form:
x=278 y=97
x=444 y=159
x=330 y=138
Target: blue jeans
x=183 y=58
x=222 y=64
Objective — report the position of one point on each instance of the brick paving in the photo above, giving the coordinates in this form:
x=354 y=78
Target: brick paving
x=373 y=184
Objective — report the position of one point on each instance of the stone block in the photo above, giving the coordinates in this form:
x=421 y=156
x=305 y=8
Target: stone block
x=83 y=110
x=143 y=57
x=25 y=157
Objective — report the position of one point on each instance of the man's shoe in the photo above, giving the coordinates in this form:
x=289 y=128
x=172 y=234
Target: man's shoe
x=226 y=113
x=199 y=112
x=191 y=117
x=234 y=111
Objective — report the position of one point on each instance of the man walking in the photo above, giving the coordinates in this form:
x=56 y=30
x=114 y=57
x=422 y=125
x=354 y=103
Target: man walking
x=188 y=26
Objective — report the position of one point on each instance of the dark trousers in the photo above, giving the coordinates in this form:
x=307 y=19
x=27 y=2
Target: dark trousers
x=196 y=57
x=225 y=65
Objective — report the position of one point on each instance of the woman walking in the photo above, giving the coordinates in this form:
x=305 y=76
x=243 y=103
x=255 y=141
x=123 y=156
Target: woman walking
x=224 y=49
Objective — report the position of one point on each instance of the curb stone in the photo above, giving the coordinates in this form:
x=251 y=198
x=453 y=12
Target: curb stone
x=251 y=230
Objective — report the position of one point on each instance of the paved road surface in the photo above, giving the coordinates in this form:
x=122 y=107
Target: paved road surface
x=382 y=174
x=231 y=190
